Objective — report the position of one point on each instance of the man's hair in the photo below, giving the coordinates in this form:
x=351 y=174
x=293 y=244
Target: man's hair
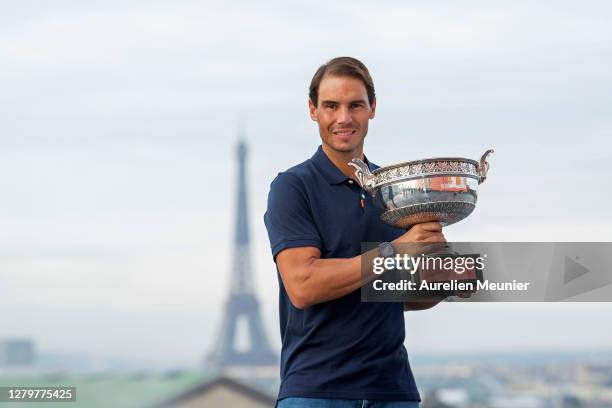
x=342 y=66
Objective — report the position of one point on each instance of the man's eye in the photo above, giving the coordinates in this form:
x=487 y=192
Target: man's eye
x=331 y=106
x=357 y=105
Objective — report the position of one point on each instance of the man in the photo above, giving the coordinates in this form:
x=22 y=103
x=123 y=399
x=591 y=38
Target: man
x=337 y=351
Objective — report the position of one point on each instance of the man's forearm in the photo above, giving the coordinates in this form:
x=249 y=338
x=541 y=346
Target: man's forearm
x=315 y=280
x=328 y=279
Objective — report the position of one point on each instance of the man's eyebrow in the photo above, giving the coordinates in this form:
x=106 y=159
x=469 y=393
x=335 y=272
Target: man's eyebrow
x=355 y=101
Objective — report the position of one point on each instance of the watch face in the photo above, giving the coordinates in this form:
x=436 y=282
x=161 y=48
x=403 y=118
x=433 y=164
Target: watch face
x=386 y=249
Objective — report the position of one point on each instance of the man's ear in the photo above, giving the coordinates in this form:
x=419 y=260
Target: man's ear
x=373 y=109
x=314 y=115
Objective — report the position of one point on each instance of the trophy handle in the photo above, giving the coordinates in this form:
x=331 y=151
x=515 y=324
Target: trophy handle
x=483 y=167
x=363 y=174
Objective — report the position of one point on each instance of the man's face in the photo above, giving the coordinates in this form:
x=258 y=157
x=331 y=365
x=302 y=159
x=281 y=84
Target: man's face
x=342 y=113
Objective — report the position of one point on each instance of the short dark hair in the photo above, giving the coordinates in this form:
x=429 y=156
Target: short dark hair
x=342 y=66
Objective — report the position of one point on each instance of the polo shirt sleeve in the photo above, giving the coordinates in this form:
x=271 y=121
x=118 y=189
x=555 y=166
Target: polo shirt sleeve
x=288 y=218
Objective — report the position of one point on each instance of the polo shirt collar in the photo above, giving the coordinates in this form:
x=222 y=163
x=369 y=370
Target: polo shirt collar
x=331 y=173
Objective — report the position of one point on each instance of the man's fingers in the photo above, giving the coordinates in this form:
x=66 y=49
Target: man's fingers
x=432 y=248
x=426 y=232
x=435 y=237
x=431 y=226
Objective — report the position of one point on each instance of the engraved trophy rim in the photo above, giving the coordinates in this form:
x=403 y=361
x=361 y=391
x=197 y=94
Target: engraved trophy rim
x=421 y=161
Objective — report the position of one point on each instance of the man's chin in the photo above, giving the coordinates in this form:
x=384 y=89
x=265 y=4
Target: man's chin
x=344 y=147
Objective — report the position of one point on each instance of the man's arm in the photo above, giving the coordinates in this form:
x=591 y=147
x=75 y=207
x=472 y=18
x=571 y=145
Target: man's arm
x=309 y=279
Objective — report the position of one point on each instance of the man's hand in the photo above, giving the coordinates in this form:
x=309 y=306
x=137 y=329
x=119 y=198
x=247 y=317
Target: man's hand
x=430 y=235
x=426 y=237
x=425 y=232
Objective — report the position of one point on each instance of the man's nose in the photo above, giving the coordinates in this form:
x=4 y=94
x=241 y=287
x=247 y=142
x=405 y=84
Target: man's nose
x=344 y=115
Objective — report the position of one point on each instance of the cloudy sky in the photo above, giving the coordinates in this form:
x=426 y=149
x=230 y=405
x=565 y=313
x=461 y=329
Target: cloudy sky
x=118 y=125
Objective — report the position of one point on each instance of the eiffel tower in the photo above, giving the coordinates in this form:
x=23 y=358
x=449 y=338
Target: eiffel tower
x=242 y=302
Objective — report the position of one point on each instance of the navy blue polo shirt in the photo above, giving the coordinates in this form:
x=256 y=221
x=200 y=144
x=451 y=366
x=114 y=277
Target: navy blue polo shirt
x=342 y=348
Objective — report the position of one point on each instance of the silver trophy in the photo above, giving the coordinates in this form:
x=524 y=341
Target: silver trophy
x=440 y=189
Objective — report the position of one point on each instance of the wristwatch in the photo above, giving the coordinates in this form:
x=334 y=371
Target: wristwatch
x=386 y=250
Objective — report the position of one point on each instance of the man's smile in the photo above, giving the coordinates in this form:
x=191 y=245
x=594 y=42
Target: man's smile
x=344 y=132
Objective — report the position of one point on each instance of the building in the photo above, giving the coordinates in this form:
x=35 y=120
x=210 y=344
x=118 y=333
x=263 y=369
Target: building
x=220 y=392
x=17 y=353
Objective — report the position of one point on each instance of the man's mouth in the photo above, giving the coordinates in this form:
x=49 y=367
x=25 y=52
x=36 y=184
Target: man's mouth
x=344 y=132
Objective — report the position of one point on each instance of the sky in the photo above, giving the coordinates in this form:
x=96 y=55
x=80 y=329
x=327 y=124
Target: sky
x=118 y=128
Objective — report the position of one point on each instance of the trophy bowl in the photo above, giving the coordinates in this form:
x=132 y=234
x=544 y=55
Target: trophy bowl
x=439 y=189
